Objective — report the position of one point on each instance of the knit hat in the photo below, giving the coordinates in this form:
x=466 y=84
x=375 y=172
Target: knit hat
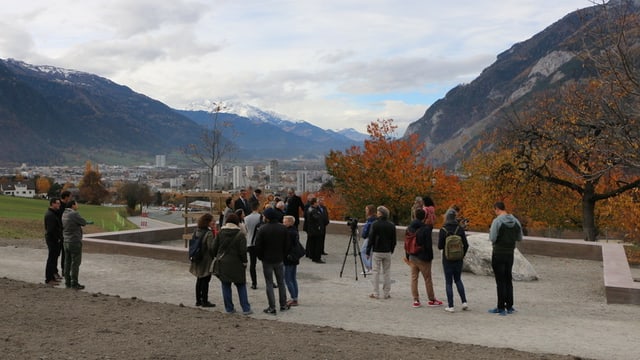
x=450 y=217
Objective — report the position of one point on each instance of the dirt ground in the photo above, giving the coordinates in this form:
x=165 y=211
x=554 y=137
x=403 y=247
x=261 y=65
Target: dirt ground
x=41 y=322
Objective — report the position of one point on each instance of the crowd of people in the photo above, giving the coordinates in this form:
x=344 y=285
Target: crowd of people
x=252 y=228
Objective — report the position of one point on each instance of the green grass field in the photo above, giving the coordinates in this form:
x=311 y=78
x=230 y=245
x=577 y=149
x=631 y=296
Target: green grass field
x=24 y=218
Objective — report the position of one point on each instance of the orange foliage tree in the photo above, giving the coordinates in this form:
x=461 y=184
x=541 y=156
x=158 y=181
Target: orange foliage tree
x=574 y=140
x=386 y=171
x=43 y=184
x=92 y=190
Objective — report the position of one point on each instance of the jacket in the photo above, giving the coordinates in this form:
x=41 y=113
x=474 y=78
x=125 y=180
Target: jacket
x=382 y=237
x=202 y=267
x=504 y=232
x=423 y=238
x=313 y=222
x=272 y=244
x=233 y=244
x=450 y=228
x=52 y=226
x=293 y=239
x=72 y=224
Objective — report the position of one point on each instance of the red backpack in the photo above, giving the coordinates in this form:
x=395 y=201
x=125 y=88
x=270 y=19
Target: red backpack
x=411 y=246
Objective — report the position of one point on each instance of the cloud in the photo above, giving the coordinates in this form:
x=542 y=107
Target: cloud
x=335 y=63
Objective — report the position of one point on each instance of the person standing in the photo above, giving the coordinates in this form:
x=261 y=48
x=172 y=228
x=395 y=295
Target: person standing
x=370 y=214
x=227 y=210
x=453 y=268
x=272 y=245
x=418 y=203
x=324 y=212
x=421 y=262
x=293 y=206
x=242 y=202
x=53 y=238
x=255 y=197
x=252 y=222
x=291 y=265
x=382 y=242
x=430 y=211
x=65 y=196
x=201 y=269
x=505 y=231
x=313 y=227
x=72 y=224
x=230 y=247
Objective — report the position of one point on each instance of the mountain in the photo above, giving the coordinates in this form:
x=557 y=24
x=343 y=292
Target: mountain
x=54 y=116
x=262 y=134
x=453 y=125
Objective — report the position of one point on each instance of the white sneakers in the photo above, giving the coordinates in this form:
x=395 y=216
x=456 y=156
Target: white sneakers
x=452 y=309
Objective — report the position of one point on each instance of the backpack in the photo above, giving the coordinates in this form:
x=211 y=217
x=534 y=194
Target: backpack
x=411 y=246
x=195 y=247
x=453 y=246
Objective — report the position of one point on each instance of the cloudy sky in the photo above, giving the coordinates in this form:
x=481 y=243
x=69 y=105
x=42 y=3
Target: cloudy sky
x=334 y=63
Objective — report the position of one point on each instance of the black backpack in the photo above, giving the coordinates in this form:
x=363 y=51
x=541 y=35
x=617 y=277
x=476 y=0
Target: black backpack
x=196 y=250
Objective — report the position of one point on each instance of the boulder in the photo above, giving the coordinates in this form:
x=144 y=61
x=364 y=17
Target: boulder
x=478 y=259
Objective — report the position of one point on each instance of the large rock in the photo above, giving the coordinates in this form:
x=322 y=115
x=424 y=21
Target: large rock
x=478 y=259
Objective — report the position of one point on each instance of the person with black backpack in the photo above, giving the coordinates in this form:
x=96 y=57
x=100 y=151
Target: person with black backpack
x=200 y=267
x=452 y=240
x=505 y=231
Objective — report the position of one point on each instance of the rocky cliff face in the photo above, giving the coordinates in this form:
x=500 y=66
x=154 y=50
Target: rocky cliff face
x=453 y=125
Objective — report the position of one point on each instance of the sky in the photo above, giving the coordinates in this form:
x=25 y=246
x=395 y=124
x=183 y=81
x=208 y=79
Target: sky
x=333 y=63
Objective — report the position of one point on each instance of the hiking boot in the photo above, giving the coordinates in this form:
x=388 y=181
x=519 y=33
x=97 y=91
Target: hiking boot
x=434 y=302
x=416 y=304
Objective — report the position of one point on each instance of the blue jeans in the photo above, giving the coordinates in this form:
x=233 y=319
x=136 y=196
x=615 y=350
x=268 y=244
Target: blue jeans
x=268 y=270
x=363 y=254
x=291 y=281
x=452 y=273
x=228 y=298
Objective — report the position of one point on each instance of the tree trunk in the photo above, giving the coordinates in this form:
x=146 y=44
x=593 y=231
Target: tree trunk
x=588 y=214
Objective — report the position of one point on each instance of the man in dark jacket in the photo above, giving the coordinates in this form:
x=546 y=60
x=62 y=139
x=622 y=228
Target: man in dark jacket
x=53 y=237
x=314 y=227
x=382 y=242
x=420 y=262
x=272 y=246
x=504 y=232
x=293 y=206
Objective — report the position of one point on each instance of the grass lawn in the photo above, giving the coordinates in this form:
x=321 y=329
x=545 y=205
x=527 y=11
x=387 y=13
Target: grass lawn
x=24 y=218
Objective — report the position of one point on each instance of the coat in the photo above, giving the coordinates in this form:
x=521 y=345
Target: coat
x=202 y=267
x=233 y=244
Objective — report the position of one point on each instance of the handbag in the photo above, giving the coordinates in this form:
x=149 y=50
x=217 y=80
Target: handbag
x=215 y=267
x=297 y=252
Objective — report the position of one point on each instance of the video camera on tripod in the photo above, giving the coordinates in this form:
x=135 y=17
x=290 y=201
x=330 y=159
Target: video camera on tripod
x=352 y=223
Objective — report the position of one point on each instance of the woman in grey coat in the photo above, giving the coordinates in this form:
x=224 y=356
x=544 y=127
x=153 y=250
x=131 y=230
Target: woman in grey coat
x=230 y=248
x=202 y=268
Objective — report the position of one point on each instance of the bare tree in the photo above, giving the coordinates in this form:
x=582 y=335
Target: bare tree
x=213 y=146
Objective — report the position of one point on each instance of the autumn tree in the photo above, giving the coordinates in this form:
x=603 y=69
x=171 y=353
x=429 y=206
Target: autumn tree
x=43 y=184
x=91 y=188
x=386 y=171
x=212 y=148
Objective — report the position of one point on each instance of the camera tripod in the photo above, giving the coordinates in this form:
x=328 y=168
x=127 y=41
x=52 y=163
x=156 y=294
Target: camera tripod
x=353 y=241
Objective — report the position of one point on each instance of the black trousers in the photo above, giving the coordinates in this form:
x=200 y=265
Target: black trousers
x=202 y=289
x=502 y=265
x=253 y=259
x=52 y=259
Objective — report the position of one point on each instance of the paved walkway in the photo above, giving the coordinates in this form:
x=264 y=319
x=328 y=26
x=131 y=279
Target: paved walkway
x=563 y=313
